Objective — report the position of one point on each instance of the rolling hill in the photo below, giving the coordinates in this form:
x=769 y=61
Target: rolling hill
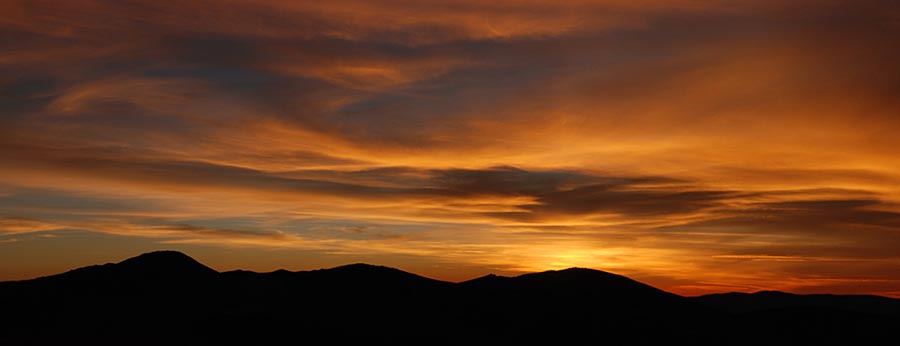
x=167 y=297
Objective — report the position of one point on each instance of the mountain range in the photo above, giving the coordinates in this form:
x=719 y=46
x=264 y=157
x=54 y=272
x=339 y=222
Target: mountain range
x=167 y=297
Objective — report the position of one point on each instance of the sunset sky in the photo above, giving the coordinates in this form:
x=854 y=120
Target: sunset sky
x=697 y=146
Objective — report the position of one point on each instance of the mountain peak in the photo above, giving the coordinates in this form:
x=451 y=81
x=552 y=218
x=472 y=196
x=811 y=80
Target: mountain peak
x=161 y=254
x=487 y=281
x=595 y=283
x=576 y=273
x=165 y=263
x=361 y=266
x=375 y=275
x=368 y=268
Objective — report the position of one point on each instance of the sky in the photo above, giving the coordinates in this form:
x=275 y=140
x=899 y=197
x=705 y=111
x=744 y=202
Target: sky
x=697 y=146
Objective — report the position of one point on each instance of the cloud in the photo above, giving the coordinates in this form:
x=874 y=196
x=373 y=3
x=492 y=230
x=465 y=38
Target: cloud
x=780 y=258
x=415 y=22
x=539 y=193
x=630 y=201
x=120 y=95
x=507 y=181
x=18 y=225
x=803 y=244
x=845 y=218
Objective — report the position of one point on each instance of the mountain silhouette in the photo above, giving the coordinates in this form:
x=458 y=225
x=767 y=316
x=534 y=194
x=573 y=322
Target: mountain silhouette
x=161 y=264
x=153 y=266
x=770 y=300
x=167 y=297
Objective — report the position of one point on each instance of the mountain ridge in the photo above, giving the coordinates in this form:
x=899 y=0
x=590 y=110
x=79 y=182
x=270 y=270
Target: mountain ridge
x=181 y=262
x=175 y=296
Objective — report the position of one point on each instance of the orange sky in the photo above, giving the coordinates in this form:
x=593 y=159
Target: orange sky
x=698 y=146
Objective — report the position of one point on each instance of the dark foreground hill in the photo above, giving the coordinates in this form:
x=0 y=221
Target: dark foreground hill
x=169 y=298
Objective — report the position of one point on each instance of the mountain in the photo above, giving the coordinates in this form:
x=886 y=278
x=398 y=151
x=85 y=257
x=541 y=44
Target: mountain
x=772 y=300
x=799 y=319
x=148 y=269
x=167 y=297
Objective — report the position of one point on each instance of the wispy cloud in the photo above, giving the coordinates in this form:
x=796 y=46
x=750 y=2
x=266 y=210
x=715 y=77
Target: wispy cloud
x=14 y=225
